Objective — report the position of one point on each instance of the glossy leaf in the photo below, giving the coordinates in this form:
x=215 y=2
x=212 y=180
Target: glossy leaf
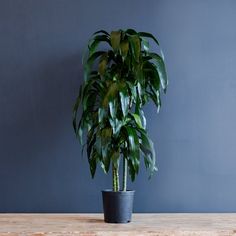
x=101 y=114
x=137 y=120
x=101 y=31
x=145 y=45
x=111 y=93
x=124 y=100
x=144 y=122
x=93 y=162
x=116 y=125
x=115 y=158
x=75 y=109
x=135 y=46
x=115 y=39
x=103 y=64
x=131 y=31
x=133 y=142
x=105 y=163
x=132 y=171
x=124 y=48
x=148 y=35
x=105 y=135
x=160 y=65
x=112 y=108
x=96 y=41
x=90 y=61
x=147 y=148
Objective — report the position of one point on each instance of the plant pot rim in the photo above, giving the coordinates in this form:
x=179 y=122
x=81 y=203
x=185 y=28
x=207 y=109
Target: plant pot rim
x=120 y=192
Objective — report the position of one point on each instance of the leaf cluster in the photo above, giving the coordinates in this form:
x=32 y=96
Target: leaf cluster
x=118 y=82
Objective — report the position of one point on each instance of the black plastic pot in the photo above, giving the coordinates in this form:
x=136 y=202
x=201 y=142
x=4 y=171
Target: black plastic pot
x=117 y=206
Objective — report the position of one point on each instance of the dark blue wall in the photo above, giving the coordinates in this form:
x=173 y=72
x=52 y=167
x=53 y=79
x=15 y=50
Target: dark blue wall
x=41 y=42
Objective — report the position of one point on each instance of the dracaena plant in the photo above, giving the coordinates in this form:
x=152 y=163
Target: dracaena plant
x=118 y=82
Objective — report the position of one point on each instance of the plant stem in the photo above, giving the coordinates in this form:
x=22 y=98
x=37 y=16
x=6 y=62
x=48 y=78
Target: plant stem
x=124 y=187
x=115 y=175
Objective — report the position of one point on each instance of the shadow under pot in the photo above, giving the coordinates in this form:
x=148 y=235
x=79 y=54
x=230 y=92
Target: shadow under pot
x=118 y=206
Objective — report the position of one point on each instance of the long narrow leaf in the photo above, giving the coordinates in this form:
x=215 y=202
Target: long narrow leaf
x=160 y=65
x=115 y=39
x=124 y=100
x=95 y=41
x=130 y=31
x=135 y=46
x=75 y=109
x=88 y=65
x=148 y=35
x=124 y=48
x=101 y=31
x=133 y=141
x=137 y=120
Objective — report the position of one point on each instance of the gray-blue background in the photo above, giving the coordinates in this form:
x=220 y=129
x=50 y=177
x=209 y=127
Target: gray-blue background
x=41 y=42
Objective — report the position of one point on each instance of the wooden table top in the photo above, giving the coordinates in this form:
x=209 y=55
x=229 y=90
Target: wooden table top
x=93 y=225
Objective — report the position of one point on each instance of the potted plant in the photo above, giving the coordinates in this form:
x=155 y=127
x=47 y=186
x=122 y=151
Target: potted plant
x=118 y=81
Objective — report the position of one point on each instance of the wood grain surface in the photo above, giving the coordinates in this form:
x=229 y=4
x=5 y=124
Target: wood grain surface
x=93 y=225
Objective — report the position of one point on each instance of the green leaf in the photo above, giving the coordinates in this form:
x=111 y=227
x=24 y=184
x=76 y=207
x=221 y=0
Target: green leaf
x=101 y=114
x=155 y=80
x=148 y=150
x=102 y=64
x=88 y=65
x=133 y=145
x=105 y=135
x=132 y=138
x=130 y=31
x=105 y=163
x=152 y=74
x=148 y=160
x=98 y=143
x=155 y=96
x=124 y=48
x=160 y=65
x=115 y=39
x=148 y=35
x=80 y=134
x=89 y=90
x=89 y=100
x=135 y=44
x=112 y=108
x=132 y=172
x=143 y=119
x=145 y=45
x=93 y=155
x=94 y=56
x=115 y=158
x=133 y=90
x=101 y=31
x=91 y=139
x=124 y=100
x=76 y=106
x=81 y=127
x=95 y=41
x=116 y=126
x=93 y=162
x=137 y=120
x=111 y=93
x=140 y=93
